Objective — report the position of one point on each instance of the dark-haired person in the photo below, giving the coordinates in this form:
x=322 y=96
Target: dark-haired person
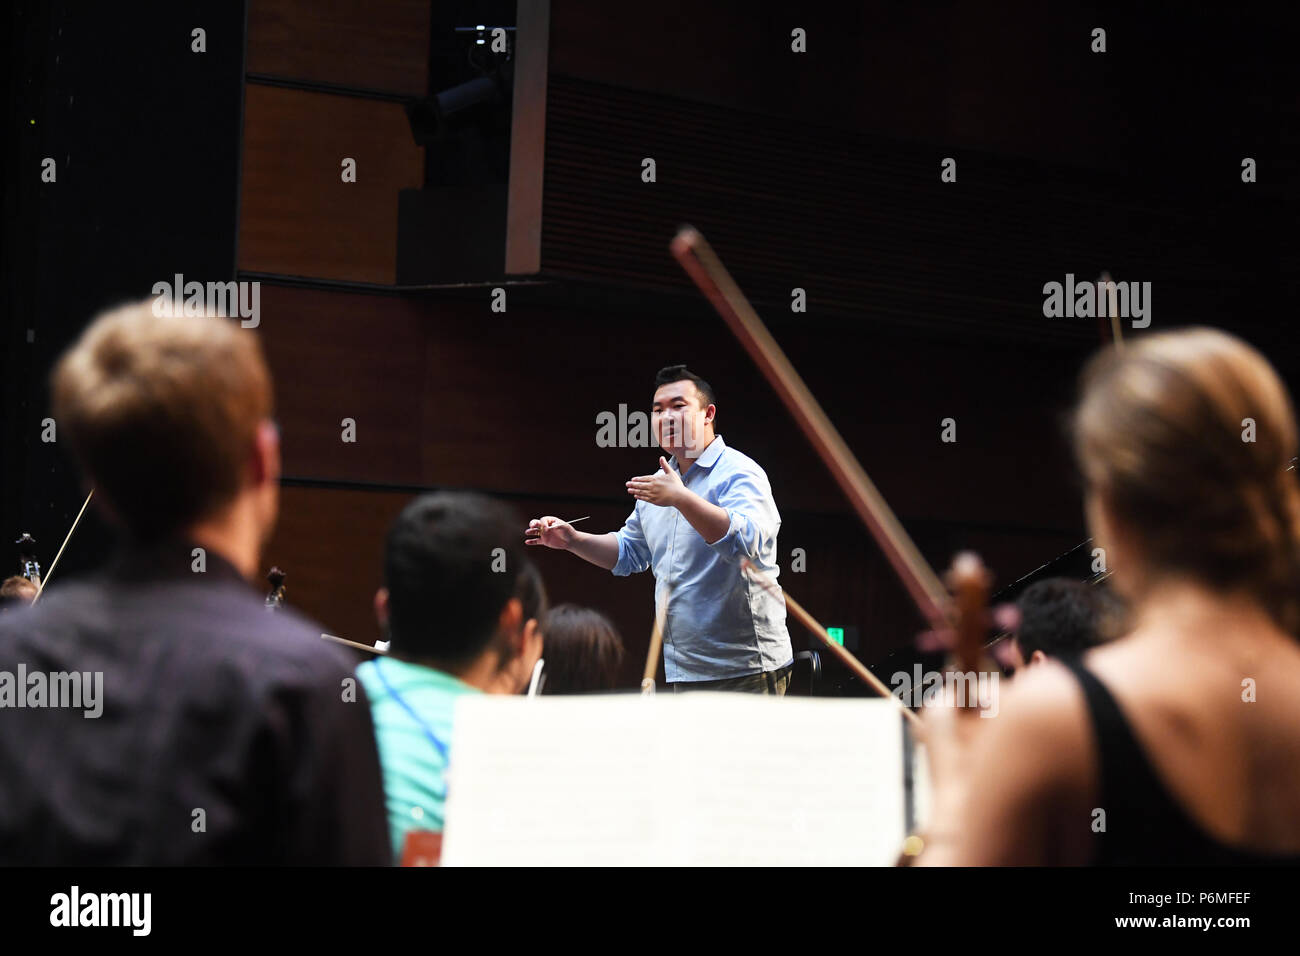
x=583 y=651
x=1059 y=618
x=706 y=507
x=17 y=591
x=223 y=734
x=1178 y=743
x=462 y=606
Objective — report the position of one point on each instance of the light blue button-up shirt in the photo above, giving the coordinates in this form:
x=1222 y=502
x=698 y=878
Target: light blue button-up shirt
x=720 y=623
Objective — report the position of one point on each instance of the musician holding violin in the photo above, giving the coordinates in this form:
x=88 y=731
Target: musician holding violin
x=1180 y=742
x=21 y=589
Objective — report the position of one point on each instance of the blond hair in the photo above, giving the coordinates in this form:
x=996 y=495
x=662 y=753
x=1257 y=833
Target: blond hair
x=162 y=413
x=1187 y=437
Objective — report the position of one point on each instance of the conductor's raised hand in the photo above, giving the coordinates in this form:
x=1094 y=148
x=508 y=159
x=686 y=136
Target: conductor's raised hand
x=660 y=489
x=550 y=531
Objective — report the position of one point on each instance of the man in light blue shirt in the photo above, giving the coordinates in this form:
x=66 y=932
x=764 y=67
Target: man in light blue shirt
x=705 y=509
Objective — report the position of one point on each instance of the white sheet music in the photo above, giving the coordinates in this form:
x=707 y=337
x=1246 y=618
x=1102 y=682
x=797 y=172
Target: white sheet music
x=691 y=779
x=920 y=787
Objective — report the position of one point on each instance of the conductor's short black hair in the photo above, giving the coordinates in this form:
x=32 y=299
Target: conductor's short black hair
x=678 y=373
x=451 y=562
x=1059 y=617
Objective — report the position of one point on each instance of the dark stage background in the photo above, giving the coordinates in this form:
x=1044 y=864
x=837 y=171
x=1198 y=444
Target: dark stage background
x=818 y=170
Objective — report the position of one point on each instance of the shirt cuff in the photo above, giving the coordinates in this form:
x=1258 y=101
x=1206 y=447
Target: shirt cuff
x=732 y=542
x=623 y=566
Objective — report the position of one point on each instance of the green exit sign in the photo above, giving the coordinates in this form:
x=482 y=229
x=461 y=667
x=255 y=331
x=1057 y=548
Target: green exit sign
x=836 y=634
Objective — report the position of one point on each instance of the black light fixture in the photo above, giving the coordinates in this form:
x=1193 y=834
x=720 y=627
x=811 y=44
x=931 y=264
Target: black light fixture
x=467 y=104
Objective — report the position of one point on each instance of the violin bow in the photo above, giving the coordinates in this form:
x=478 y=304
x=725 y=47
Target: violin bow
x=819 y=631
x=656 y=642
x=703 y=266
x=965 y=616
x=55 y=563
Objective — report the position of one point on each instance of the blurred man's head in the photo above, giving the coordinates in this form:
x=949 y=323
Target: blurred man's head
x=17 y=591
x=682 y=412
x=170 y=417
x=459 y=592
x=1059 y=618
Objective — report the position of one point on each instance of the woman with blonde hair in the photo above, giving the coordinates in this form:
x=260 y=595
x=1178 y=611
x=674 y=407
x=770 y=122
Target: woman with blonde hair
x=1179 y=743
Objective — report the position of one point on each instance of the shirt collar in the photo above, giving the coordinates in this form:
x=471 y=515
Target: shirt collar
x=172 y=557
x=709 y=457
x=424 y=676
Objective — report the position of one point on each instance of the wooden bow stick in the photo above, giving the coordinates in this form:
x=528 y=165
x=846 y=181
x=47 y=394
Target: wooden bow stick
x=656 y=642
x=819 y=631
x=55 y=563
x=700 y=263
x=964 y=618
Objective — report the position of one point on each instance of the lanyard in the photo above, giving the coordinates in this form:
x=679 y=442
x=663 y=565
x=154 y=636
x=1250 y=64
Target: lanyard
x=438 y=745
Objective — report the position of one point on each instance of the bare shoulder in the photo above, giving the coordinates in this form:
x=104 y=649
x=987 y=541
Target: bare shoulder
x=1120 y=659
x=1042 y=713
x=1033 y=775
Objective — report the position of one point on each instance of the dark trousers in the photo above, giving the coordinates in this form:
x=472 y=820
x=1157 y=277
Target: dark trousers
x=772 y=682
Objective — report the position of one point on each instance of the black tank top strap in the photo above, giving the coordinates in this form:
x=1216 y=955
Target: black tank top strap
x=1141 y=822
x=1125 y=772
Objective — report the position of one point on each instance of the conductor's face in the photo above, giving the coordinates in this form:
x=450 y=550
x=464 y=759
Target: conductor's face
x=681 y=425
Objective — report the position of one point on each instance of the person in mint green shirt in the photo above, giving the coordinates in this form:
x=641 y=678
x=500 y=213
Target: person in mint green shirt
x=461 y=604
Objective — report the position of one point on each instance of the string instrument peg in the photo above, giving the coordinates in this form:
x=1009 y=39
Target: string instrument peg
x=28 y=566
x=275 y=597
x=970 y=583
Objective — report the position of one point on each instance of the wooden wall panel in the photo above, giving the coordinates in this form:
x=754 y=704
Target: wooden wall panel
x=357 y=43
x=297 y=217
x=336 y=356
x=447 y=392
x=330 y=544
